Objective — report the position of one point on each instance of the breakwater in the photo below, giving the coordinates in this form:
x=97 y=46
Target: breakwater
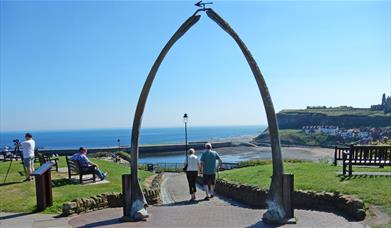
x=144 y=150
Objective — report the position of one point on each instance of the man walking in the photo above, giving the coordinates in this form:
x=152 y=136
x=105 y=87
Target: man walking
x=208 y=169
x=28 y=147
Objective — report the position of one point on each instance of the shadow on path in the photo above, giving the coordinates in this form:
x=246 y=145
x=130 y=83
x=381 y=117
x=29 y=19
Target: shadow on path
x=108 y=222
x=262 y=224
x=15 y=215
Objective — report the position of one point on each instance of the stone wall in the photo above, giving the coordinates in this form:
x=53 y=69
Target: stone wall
x=348 y=206
x=113 y=199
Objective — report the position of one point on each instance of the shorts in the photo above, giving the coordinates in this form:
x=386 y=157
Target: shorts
x=209 y=179
x=28 y=162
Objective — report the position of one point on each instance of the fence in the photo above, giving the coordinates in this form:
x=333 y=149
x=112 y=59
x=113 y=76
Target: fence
x=178 y=167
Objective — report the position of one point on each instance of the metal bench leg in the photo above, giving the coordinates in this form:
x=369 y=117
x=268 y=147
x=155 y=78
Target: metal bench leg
x=350 y=169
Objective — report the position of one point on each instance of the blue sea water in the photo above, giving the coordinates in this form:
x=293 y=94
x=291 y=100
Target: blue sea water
x=108 y=137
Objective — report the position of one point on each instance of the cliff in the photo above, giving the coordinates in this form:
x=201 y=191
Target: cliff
x=345 y=117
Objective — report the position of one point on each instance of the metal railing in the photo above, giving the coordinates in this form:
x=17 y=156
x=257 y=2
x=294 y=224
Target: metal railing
x=178 y=167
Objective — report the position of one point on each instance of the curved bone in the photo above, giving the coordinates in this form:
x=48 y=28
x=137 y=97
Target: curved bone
x=136 y=193
x=275 y=192
x=276 y=211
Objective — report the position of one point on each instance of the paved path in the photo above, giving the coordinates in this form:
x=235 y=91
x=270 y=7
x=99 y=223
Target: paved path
x=218 y=212
x=27 y=220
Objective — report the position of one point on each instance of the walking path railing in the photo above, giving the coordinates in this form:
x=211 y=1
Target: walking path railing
x=178 y=167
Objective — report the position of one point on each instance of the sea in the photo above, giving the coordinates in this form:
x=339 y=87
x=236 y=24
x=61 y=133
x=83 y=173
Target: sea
x=97 y=138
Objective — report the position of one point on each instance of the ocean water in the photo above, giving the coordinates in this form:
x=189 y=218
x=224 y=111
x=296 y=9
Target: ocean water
x=67 y=139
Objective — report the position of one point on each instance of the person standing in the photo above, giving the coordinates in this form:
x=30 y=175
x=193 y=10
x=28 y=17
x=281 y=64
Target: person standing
x=208 y=168
x=192 y=166
x=28 y=147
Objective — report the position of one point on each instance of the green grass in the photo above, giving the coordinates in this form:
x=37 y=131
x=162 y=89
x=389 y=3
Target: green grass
x=298 y=137
x=19 y=196
x=321 y=177
x=294 y=136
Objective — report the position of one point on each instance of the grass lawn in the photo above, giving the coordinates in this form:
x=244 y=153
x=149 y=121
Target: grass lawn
x=321 y=177
x=19 y=196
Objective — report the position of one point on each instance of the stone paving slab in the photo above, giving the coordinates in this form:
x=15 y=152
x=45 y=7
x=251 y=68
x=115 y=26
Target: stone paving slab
x=27 y=220
x=214 y=216
x=98 y=181
x=218 y=212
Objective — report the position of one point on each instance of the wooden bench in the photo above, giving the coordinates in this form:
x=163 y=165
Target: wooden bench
x=338 y=153
x=366 y=156
x=11 y=155
x=74 y=168
x=42 y=158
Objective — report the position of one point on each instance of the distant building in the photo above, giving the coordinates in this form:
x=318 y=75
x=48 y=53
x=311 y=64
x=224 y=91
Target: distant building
x=316 y=107
x=387 y=105
x=329 y=130
x=384 y=106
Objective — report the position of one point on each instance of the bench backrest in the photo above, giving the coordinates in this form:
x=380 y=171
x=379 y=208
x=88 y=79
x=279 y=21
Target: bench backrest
x=73 y=166
x=41 y=158
x=373 y=154
x=339 y=151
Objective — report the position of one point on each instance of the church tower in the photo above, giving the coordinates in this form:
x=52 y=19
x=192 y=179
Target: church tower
x=383 y=100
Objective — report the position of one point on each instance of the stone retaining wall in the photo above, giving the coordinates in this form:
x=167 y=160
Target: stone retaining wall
x=113 y=199
x=255 y=197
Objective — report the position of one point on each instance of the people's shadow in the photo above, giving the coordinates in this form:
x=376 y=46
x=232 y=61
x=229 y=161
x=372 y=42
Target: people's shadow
x=62 y=182
x=262 y=224
x=181 y=203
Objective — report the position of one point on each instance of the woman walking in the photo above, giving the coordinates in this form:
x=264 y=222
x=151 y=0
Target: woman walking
x=192 y=165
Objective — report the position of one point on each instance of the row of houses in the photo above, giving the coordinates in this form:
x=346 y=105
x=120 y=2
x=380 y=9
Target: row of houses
x=363 y=134
x=328 y=130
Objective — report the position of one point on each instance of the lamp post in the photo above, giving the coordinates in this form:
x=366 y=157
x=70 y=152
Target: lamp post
x=185 y=119
x=119 y=145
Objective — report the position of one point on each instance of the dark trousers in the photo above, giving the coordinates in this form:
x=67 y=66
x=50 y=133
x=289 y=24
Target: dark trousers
x=191 y=178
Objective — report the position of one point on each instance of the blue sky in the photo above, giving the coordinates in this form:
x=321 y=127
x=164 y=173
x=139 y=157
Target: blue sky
x=71 y=65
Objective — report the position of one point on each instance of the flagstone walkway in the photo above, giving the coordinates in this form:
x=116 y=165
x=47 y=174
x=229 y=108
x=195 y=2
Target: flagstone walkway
x=218 y=212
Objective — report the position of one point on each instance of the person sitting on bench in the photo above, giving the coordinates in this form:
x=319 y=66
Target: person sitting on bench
x=85 y=163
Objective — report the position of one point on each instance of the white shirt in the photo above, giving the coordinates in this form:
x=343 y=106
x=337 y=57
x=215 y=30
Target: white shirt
x=28 y=147
x=192 y=163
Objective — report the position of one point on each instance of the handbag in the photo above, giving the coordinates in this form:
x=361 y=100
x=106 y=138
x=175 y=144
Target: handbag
x=185 y=168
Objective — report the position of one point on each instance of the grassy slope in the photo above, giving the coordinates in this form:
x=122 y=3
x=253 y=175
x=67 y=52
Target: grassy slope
x=20 y=196
x=297 y=137
x=321 y=177
x=294 y=136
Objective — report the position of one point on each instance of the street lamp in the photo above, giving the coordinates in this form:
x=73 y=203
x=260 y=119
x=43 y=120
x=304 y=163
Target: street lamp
x=119 y=145
x=185 y=119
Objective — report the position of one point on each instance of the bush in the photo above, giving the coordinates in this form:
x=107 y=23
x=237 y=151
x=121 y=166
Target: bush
x=124 y=155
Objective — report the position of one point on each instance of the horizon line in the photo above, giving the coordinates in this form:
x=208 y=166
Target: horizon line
x=123 y=128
